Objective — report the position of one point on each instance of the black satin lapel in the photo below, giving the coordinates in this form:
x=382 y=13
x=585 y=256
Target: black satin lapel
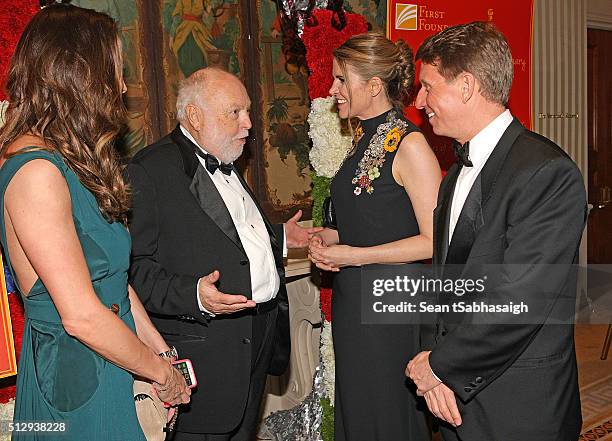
x=204 y=190
x=442 y=214
x=469 y=222
x=438 y=236
x=471 y=218
x=187 y=150
x=491 y=170
x=273 y=238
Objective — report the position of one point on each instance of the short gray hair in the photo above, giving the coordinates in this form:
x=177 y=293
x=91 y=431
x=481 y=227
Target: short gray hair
x=190 y=91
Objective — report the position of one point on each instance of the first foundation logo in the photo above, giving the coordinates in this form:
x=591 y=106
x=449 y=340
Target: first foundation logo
x=406 y=17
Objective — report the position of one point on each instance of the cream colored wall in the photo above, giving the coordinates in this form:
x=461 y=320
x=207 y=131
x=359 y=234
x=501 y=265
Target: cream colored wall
x=559 y=70
x=559 y=75
x=559 y=79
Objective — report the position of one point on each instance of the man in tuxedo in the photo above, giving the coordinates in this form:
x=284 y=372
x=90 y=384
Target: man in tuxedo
x=206 y=262
x=514 y=199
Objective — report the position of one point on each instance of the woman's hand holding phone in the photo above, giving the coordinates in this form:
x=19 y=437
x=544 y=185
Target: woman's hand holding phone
x=174 y=391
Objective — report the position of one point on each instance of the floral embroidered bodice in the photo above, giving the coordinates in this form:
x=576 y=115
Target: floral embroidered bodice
x=386 y=140
x=371 y=208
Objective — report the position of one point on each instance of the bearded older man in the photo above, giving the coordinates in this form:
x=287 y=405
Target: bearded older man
x=207 y=263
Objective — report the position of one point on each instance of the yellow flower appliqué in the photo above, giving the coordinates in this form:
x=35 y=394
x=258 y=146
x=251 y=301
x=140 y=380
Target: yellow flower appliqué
x=358 y=134
x=392 y=140
x=386 y=139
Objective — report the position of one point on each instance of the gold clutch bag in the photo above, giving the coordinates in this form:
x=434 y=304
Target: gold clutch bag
x=152 y=415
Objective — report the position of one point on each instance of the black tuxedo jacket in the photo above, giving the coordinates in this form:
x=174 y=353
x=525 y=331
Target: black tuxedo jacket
x=527 y=208
x=181 y=230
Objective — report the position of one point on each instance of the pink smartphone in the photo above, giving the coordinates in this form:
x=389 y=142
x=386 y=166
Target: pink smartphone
x=186 y=368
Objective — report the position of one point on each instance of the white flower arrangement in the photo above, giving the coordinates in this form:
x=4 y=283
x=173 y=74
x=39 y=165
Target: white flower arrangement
x=3 y=107
x=329 y=145
x=329 y=360
x=329 y=148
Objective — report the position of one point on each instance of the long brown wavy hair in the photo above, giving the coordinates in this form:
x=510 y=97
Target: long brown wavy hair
x=64 y=86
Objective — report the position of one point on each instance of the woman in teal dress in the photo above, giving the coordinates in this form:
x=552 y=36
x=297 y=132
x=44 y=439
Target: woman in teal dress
x=63 y=207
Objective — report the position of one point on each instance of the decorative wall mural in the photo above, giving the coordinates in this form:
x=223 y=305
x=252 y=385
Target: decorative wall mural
x=202 y=33
x=284 y=88
x=166 y=40
x=126 y=15
x=196 y=34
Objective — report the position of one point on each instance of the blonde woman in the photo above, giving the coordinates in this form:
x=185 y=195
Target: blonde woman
x=383 y=195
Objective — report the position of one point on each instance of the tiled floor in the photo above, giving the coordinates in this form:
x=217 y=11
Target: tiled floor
x=595 y=377
x=589 y=341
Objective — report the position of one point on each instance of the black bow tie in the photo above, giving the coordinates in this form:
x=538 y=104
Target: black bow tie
x=463 y=153
x=212 y=163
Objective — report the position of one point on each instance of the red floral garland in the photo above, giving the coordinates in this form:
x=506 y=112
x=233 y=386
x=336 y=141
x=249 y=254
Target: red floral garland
x=326 y=309
x=14 y=16
x=320 y=39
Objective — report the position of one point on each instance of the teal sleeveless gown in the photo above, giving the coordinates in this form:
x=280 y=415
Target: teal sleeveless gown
x=60 y=381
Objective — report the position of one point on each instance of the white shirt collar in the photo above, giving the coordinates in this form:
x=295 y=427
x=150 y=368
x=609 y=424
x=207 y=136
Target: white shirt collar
x=482 y=145
x=191 y=138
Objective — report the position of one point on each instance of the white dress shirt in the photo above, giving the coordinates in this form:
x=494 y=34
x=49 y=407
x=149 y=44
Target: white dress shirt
x=252 y=231
x=481 y=147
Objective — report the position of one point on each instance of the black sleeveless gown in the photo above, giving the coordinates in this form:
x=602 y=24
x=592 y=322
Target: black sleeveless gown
x=374 y=401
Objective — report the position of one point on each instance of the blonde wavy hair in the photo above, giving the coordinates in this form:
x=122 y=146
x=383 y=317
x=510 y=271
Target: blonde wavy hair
x=64 y=86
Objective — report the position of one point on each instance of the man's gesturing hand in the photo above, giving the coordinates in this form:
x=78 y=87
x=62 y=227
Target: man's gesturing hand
x=217 y=302
x=297 y=236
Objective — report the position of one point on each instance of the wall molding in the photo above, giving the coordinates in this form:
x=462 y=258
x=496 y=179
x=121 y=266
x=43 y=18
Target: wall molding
x=597 y=21
x=599 y=15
